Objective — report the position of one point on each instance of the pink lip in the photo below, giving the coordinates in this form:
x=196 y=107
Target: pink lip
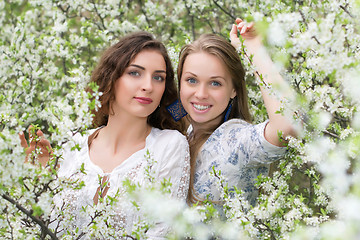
x=202 y=104
x=144 y=100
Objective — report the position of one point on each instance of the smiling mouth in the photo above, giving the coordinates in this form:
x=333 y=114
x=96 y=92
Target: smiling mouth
x=201 y=107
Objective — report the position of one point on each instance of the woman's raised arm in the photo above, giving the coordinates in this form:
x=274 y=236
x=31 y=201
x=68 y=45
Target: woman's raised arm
x=270 y=76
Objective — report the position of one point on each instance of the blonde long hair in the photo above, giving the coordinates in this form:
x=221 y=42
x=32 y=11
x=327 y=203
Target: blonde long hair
x=223 y=50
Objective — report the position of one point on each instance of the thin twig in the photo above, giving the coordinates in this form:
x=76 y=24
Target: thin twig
x=102 y=27
x=32 y=217
x=256 y=72
x=330 y=134
x=268 y=228
x=222 y=9
x=318 y=42
x=346 y=10
x=191 y=20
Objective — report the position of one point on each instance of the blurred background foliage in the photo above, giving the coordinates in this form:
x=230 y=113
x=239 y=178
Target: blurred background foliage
x=49 y=48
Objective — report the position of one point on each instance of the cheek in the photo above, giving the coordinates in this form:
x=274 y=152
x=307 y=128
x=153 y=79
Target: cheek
x=185 y=98
x=118 y=87
x=185 y=91
x=183 y=94
x=222 y=98
x=161 y=90
x=123 y=85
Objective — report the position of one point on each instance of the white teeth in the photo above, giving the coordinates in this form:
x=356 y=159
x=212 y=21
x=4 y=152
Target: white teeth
x=201 y=107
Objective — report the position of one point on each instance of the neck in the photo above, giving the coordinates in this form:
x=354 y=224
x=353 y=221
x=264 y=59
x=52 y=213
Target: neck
x=206 y=126
x=121 y=132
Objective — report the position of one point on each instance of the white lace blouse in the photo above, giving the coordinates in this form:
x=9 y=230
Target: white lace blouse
x=241 y=152
x=168 y=148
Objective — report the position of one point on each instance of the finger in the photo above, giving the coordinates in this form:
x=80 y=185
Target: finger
x=35 y=139
x=23 y=141
x=40 y=133
x=246 y=27
x=251 y=25
x=243 y=30
x=46 y=145
x=43 y=142
x=238 y=20
x=31 y=136
x=42 y=139
x=241 y=25
x=29 y=129
x=233 y=32
x=234 y=38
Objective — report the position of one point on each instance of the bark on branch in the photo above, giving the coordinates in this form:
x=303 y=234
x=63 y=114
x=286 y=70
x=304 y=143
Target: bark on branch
x=28 y=213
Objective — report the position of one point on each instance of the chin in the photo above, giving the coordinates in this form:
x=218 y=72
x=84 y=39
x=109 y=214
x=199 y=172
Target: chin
x=200 y=120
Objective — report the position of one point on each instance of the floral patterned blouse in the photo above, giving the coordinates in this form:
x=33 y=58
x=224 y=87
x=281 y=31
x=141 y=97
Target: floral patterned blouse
x=240 y=151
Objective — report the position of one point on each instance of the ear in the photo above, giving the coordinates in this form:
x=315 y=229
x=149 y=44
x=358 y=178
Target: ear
x=233 y=93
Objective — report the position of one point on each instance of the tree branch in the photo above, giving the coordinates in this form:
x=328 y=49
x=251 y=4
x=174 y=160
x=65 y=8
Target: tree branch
x=346 y=10
x=44 y=228
x=222 y=9
x=330 y=134
x=191 y=20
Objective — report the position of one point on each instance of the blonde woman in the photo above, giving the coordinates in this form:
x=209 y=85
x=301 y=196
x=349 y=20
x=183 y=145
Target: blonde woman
x=221 y=136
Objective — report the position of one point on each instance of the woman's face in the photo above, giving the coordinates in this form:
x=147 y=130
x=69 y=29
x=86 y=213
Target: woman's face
x=205 y=87
x=139 y=90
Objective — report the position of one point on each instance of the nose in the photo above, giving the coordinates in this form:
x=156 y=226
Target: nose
x=147 y=84
x=201 y=91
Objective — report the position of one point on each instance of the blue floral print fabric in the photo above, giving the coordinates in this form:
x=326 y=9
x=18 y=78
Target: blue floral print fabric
x=240 y=151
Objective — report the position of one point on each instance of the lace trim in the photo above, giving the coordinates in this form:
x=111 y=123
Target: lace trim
x=133 y=173
x=182 y=191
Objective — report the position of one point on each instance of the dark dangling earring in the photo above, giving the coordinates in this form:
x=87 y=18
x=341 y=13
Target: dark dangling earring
x=176 y=110
x=228 y=110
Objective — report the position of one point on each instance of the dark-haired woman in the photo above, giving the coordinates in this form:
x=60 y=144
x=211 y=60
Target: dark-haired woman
x=136 y=79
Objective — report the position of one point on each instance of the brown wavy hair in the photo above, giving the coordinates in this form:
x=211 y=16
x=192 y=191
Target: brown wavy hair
x=112 y=66
x=223 y=50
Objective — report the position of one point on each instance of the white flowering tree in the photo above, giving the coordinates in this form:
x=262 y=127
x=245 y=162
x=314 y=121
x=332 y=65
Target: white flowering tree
x=48 y=49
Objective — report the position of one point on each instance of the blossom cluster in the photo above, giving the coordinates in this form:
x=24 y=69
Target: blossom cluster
x=49 y=48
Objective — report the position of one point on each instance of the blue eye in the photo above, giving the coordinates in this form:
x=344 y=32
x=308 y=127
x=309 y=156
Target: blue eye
x=159 y=78
x=215 y=84
x=134 y=73
x=191 y=80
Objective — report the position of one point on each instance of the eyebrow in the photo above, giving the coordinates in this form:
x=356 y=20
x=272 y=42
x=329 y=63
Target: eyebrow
x=212 y=77
x=191 y=73
x=138 y=66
